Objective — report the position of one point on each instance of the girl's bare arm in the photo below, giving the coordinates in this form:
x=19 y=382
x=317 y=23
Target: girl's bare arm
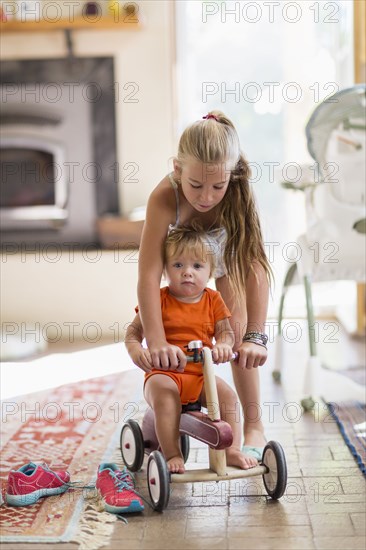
x=160 y=213
x=257 y=299
x=249 y=316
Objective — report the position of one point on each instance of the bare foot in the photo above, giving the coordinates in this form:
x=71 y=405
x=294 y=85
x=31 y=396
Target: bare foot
x=254 y=437
x=176 y=465
x=234 y=457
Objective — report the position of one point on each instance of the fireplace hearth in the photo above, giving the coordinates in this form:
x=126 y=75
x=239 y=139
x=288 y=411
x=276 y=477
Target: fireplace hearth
x=58 y=150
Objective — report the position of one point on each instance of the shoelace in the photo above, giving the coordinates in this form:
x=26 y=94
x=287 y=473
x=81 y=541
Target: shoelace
x=71 y=484
x=123 y=480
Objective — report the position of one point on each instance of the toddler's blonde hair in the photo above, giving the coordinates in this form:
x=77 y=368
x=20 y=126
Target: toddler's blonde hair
x=192 y=239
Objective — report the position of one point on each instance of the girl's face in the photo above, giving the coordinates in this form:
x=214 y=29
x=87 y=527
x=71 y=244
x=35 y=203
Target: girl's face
x=203 y=185
x=187 y=277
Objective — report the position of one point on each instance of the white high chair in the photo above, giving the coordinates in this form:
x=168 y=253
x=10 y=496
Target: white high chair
x=333 y=246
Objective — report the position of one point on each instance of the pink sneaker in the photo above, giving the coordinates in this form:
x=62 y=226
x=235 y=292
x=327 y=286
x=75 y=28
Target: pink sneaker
x=34 y=481
x=117 y=489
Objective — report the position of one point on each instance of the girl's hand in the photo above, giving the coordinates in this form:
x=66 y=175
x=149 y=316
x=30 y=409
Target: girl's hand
x=165 y=356
x=251 y=355
x=222 y=353
x=141 y=357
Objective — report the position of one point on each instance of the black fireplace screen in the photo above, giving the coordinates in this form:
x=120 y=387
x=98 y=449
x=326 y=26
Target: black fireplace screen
x=27 y=178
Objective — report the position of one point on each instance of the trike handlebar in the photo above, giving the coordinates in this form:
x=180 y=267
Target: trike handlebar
x=196 y=348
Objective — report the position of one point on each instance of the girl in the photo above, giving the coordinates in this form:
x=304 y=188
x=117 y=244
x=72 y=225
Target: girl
x=210 y=183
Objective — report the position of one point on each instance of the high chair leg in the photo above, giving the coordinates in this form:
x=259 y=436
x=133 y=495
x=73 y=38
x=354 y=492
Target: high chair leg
x=310 y=315
x=276 y=373
x=313 y=363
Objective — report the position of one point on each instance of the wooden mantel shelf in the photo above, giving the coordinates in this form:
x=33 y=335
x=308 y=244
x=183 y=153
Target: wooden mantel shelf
x=77 y=23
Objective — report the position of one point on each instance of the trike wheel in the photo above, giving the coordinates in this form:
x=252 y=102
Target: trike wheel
x=275 y=479
x=185 y=446
x=158 y=481
x=132 y=445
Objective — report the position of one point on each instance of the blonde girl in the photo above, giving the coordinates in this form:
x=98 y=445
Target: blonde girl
x=210 y=184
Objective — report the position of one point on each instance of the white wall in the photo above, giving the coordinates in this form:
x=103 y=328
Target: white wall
x=80 y=296
x=36 y=290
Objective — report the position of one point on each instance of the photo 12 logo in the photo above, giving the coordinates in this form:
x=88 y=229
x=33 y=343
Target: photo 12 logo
x=69 y=91
x=53 y=11
x=271 y=12
x=268 y=92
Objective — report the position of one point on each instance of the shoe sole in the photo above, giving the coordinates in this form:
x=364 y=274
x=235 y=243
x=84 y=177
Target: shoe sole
x=135 y=506
x=32 y=498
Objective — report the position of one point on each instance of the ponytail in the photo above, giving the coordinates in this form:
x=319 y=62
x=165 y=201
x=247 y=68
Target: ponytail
x=244 y=246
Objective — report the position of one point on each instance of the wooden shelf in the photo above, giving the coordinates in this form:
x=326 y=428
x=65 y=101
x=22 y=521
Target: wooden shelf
x=82 y=22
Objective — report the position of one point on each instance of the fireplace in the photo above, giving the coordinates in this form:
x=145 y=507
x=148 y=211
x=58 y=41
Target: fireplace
x=58 y=150
x=34 y=193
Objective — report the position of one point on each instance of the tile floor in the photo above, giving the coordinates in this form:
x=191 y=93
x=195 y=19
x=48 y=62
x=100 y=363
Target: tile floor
x=323 y=506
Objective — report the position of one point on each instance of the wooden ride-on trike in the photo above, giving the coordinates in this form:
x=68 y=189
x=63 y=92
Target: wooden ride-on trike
x=208 y=428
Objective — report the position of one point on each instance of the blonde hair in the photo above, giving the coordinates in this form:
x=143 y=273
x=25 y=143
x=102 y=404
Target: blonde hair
x=192 y=239
x=215 y=140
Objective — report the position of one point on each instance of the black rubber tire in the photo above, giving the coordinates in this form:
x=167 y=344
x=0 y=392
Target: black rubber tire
x=134 y=458
x=158 y=481
x=275 y=480
x=185 y=446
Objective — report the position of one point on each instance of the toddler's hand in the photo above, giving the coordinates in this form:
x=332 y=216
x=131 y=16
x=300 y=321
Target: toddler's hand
x=142 y=358
x=222 y=353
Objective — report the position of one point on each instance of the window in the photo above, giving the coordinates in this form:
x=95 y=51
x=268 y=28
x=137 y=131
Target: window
x=267 y=65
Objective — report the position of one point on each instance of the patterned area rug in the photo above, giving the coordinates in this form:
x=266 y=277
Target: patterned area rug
x=351 y=419
x=73 y=427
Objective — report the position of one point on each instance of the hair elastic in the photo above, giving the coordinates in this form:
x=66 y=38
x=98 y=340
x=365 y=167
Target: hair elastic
x=211 y=116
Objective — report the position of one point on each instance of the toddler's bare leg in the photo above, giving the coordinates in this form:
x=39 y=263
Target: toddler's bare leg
x=161 y=393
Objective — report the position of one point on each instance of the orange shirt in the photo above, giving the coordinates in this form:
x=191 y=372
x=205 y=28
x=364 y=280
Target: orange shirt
x=184 y=322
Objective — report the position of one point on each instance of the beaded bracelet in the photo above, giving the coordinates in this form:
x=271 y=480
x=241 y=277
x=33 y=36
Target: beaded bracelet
x=257 y=335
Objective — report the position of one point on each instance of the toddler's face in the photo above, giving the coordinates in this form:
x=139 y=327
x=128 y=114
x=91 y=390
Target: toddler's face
x=187 y=277
x=204 y=185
